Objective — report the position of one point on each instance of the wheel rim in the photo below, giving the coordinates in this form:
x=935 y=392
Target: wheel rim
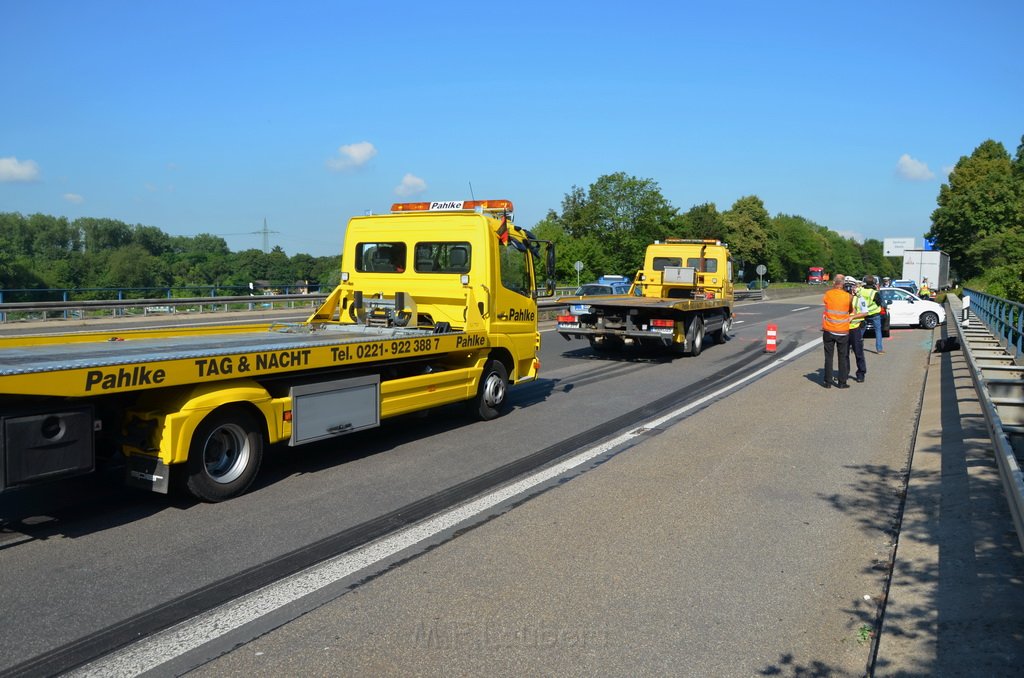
x=226 y=453
x=494 y=390
x=929 y=321
x=727 y=328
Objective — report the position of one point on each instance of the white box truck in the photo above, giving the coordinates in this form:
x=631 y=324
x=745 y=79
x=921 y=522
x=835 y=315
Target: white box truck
x=930 y=265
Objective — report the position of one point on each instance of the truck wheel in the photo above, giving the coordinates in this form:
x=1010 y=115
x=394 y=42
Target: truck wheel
x=490 y=396
x=695 y=336
x=722 y=335
x=929 y=320
x=225 y=455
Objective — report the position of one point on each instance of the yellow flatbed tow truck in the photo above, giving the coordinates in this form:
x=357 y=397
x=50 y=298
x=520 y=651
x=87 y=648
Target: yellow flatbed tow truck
x=683 y=293
x=437 y=304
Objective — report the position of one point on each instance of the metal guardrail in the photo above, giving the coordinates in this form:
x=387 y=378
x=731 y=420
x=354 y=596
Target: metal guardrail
x=999 y=381
x=118 y=307
x=154 y=305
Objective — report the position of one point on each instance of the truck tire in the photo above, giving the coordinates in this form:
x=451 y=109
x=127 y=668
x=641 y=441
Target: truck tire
x=929 y=320
x=722 y=334
x=226 y=452
x=695 y=336
x=490 y=395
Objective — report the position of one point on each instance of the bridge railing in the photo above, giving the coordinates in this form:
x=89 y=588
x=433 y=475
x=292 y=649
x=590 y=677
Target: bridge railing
x=989 y=330
x=49 y=310
x=84 y=308
x=1005 y=318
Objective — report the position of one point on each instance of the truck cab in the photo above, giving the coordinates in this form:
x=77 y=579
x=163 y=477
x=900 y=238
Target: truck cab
x=687 y=269
x=441 y=266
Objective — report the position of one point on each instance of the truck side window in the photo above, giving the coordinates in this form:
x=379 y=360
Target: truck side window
x=380 y=257
x=515 y=271
x=443 y=257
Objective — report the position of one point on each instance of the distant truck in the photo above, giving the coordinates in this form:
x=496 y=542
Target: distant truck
x=683 y=293
x=815 y=275
x=930 y=265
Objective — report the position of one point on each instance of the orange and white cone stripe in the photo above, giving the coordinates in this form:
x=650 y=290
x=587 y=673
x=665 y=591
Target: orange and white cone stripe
x=771 y=335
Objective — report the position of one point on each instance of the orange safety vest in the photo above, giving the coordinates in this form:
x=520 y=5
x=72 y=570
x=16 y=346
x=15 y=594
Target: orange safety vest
x=836 y=318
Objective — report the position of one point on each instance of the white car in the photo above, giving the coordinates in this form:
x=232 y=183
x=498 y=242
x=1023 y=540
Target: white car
x=906 y=310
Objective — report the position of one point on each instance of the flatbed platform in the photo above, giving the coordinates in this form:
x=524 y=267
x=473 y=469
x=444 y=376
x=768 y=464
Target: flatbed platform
x=123 y=362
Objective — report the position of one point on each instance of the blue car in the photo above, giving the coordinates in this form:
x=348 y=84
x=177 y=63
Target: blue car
x=597 y=289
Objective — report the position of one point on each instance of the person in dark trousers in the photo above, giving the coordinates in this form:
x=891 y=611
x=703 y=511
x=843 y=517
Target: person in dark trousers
x=835 y=331
x=875 y=304
x=857 y=314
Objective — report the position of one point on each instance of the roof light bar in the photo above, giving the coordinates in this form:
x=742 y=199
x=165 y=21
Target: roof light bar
x=454 y=206
x=693 y=241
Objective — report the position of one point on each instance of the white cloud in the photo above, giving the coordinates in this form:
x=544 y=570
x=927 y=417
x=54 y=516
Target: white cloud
x=912 y=169
x=11 y=169
x=74 y=198
x=411 y=185
x=352 y=156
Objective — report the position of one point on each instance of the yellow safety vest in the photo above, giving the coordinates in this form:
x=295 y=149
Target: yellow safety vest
x=860 y=305
x=868 y=294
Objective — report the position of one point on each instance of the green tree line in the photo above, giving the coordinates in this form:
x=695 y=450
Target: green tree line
x=608 y=226
x=979 y=221
x=46 y=252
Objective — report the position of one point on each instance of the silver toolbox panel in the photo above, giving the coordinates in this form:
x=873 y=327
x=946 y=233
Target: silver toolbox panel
x=677 y=275
x=334 y=408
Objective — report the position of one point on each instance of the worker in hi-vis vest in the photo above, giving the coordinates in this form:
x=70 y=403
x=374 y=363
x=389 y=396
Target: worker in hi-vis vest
x=835 y=331
x=859 y=311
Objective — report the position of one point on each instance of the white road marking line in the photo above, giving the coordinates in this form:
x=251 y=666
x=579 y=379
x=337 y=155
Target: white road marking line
x=802 y=308
x=171 y=643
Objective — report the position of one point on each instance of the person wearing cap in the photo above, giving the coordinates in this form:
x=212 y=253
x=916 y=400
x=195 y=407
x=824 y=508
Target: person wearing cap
x=835 y=331
x=925 y=292
x=858 y=311
x=874 y=311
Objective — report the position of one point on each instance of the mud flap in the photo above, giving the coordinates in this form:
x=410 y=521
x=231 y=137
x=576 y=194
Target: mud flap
x=147 y=473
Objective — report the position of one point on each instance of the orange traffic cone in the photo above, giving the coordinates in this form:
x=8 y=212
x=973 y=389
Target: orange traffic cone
x=770 y=337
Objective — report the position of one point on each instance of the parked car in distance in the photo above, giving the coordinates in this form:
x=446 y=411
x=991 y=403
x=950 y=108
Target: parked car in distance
x=909 y=310
x=758 y=284
x=597 y=289
x=908 y=285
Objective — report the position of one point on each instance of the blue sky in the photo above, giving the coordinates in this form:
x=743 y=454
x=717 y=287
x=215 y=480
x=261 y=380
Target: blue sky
x=209 y=117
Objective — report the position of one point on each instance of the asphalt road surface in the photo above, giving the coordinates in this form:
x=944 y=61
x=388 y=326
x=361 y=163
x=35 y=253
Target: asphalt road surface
x=89 y=566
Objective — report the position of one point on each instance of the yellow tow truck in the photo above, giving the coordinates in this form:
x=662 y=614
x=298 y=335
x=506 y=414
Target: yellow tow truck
x=437 y=304
x=683 y=293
